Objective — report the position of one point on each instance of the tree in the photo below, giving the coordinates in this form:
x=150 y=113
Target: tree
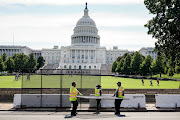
x=119 y=66
x=158 y=64
x=114 y=65
x=32 y=62
x=2 y=67
x=119 y=58
x=125 y=55
x=165 y=27
x=170 y=71
x=126 y=65
x=177 y=69
x=4 y=57
x=10 y=65
x=145 y=67
x=40 y=62
x=135 y=63
x=20 y=61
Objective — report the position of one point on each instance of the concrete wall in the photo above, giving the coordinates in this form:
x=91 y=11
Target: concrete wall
x=7 y=94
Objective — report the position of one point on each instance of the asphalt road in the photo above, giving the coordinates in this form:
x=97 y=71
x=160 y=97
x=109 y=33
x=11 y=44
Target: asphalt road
x=17 y=115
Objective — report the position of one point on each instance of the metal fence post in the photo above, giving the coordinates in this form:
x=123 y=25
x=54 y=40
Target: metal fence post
x=41 y=89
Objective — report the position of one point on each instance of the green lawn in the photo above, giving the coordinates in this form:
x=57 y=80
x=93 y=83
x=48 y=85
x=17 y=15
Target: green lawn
x=53 y=81
x=177 y=76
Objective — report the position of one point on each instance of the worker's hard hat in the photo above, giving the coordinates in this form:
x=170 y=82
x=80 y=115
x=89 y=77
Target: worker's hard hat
x=98 y=86
x=118 y=82
x=74 y=83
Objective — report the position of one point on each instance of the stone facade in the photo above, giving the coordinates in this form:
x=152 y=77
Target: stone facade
x=10 y=50
x=148 y=51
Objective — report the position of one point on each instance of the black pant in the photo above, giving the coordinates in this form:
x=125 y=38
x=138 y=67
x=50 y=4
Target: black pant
x=98 y=103
x=117 y=105
x=75 y=104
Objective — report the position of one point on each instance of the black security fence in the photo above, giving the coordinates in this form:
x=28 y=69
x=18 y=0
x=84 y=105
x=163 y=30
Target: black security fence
x=51 y=87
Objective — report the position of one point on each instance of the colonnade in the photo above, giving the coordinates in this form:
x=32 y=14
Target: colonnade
x=85 y=39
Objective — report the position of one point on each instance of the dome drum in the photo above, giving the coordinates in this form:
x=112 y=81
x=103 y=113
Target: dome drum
x=85 y=32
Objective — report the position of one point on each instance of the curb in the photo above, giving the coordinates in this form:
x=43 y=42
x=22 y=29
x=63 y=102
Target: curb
x=63 y=110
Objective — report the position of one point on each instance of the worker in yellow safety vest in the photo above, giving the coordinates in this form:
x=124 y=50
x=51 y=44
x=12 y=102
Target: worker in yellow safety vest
x=120 y=94
x=73 y=98
x=98 y=92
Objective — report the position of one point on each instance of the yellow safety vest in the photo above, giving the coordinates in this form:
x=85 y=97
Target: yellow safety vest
x=97 y=92
x=73 y=94
x=121 y=89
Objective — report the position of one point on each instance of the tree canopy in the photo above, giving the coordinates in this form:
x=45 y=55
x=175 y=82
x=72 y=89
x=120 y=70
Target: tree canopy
x=165 y=27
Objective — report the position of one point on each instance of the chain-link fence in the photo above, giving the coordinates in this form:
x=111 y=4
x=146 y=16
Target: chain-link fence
x=49 y=87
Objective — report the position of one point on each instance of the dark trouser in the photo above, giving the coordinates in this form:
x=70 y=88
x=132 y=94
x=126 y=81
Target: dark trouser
x=117 y=105
x=75 y=104
x=98 y=103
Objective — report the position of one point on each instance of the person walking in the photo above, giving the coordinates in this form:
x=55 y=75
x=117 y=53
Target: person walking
x=157 y=82
x=151 y=83
x=98 y=92
x=120 y=94
x=73 y=98
x=143 y=82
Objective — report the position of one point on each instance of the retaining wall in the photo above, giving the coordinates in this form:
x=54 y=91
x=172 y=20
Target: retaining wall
x=7 y=94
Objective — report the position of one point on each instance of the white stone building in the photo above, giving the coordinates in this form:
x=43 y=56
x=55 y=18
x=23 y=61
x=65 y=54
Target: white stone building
x=10 y=50
x=52 y=56
x=145 y=51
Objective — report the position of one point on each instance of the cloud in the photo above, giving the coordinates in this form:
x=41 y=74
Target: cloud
x=71 y=2
x=42 y=31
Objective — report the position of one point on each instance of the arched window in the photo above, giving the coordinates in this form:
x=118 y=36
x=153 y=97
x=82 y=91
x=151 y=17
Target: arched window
x=79 y=67
x=89 y=67
x=64 y=66
x=74 y=66
x=84 y=67
x=70 y=67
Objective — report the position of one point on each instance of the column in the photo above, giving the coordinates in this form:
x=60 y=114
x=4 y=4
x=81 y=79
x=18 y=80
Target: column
x=75 y=60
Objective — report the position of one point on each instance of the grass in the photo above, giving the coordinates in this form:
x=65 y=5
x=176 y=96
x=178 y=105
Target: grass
x=53 y=81
x=177 y=76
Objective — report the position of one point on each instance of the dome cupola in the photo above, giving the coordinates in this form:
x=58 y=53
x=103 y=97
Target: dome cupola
x=85 y=32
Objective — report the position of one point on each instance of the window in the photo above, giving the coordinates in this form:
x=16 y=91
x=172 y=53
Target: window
x=64 y=61
x=70 y=67
x=64 y=56
x=89 y=67
x=84 y=67
x=72 y=61
x=94 y=67
x=75 y=67
x=65 y=66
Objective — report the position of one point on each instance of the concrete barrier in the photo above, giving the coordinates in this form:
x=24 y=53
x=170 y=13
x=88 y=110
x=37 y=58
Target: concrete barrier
x=167 y=100
x=38 y=100
x=136 y=101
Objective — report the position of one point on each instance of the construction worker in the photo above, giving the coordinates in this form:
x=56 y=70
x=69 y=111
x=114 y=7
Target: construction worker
x=98 y=93
x=120 y=94
x=73 y=98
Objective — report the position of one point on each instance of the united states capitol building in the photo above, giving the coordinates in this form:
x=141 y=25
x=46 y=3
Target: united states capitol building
x=85 y=51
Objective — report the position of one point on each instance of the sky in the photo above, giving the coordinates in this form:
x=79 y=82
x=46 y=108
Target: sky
x=44 y=23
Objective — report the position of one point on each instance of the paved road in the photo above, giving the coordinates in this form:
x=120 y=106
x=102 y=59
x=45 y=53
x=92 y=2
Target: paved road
x=17 y=115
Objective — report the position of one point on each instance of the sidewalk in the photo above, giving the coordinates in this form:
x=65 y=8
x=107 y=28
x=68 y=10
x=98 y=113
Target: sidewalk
x=150 y=107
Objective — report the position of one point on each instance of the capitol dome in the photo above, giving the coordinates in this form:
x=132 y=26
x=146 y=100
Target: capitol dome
x=85 y=32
